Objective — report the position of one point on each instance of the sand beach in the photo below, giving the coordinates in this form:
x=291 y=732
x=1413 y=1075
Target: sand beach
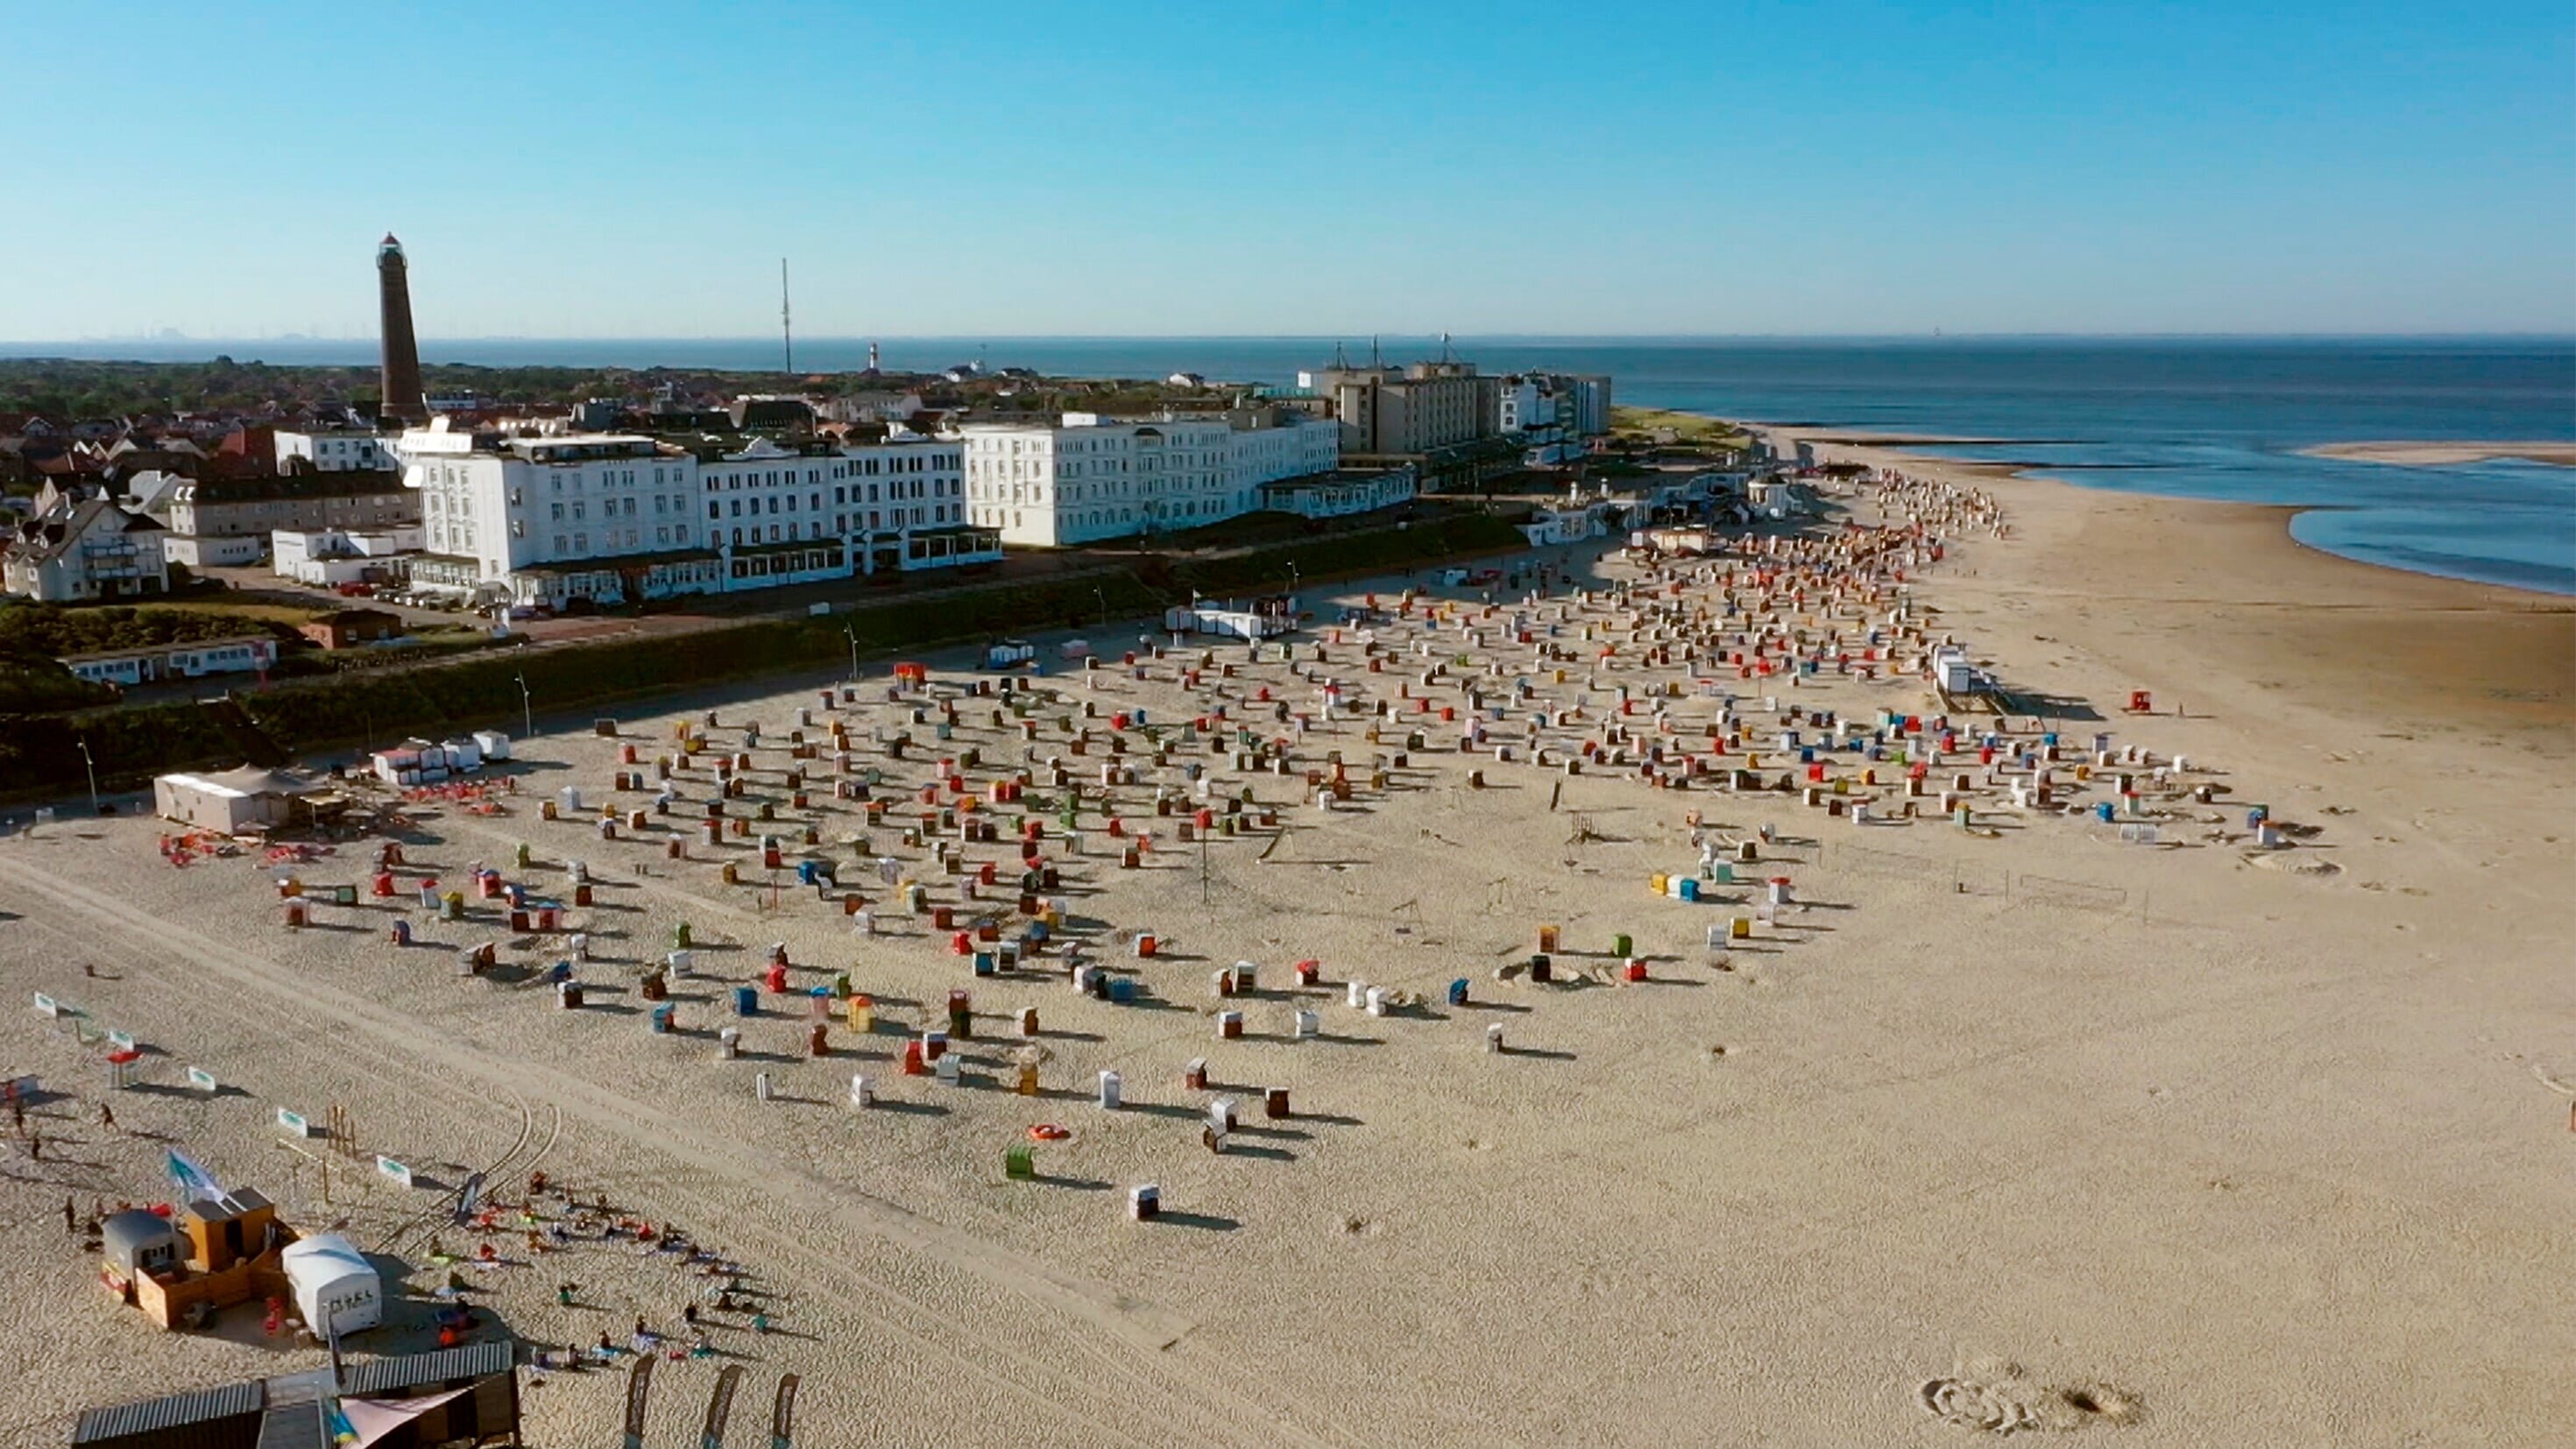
x=2175 y=1135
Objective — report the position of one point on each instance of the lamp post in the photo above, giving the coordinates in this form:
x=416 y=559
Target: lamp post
x=92 y=767
x=527 y=706
x=853 y=636
x=1104 y=605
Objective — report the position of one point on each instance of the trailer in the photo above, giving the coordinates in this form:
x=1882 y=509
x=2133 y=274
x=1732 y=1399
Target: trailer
x=1266 y=618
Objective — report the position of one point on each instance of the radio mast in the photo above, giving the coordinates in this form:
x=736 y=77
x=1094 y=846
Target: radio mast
x=786 y=333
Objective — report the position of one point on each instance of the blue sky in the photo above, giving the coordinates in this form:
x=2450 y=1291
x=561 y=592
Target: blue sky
x=637 y=169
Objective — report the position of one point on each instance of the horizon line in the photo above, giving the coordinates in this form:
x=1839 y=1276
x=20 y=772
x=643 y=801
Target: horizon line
x=975 y=338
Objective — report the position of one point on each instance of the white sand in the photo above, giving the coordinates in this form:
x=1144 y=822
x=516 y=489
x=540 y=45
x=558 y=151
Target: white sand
x=2245 y=1151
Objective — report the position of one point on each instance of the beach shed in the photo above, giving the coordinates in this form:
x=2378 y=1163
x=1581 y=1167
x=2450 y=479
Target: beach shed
x=136 y=1241
x=231 y=802
x=336 y=1289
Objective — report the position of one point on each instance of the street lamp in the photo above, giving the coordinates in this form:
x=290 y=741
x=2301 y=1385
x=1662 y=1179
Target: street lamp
x=1104 y=605
x=527 y=706
x=92 y=767
x=853 y=636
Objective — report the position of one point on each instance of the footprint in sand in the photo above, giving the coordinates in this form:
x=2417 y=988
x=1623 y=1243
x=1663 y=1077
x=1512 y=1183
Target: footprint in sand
x=2005 y=1400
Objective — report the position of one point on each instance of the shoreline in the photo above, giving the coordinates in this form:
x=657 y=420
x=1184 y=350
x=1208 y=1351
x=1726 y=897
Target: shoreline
x=2221 y=601
x=2398 y=453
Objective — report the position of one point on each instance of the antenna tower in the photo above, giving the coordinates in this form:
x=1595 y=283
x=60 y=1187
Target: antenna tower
x=786 y=333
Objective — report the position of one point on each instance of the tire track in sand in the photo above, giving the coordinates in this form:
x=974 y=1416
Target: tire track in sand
x=1186 y=1398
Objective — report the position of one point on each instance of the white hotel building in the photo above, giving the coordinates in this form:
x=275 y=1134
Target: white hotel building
x=1090 y=478
x=617 y=517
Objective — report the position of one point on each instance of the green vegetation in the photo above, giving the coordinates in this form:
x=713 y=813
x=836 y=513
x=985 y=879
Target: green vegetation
x=1685 y=427
x=34 y=684
x=50 y=631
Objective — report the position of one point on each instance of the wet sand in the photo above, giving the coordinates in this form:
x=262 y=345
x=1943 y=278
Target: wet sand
x=2558 y=453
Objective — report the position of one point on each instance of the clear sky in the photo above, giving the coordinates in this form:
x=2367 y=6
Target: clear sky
x=638 y=168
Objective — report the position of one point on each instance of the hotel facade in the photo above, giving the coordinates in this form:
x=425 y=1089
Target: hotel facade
x=1085 y=478
x=548 y=518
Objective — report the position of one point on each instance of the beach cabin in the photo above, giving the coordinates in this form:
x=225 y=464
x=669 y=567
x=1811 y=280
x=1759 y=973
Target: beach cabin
x=137 y=1242
x=336 y=1289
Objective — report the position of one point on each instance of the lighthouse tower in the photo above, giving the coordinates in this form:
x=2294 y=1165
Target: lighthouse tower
x=404 y=398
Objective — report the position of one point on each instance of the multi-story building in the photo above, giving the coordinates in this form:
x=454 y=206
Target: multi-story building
x=1087 y=478
x=228 y=520
x=334 y=450
x=84 y=549
x=1529 y=404
x=1583 y=403
x=550 y=517
x=1420 y=409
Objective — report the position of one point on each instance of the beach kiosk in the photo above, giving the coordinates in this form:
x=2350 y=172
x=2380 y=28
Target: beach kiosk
x=336 y=1289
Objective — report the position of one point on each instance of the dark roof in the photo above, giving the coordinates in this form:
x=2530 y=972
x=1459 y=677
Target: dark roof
x=291 y=1403
x=46 y=539
x=352 y=482
x=198 y=1406
x=411 y=1371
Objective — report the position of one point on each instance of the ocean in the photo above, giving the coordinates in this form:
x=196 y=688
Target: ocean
x=2200 y=418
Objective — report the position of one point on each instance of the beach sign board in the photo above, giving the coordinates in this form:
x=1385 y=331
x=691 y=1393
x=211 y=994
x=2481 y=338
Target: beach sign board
x=392 y=1169
x=294 y=1122
x=203 y=1080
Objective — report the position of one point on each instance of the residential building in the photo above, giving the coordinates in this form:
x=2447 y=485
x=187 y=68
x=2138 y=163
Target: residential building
x=1528 y=404
x=84 y=549
x=335 y=450
x=348 y=628
x=329 y=557
x=1086 y=478
x=229 y=520
x=241 y=654
x=552 y=516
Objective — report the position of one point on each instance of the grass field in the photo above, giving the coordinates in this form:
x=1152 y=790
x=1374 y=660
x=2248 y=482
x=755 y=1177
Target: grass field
x=1688 y=427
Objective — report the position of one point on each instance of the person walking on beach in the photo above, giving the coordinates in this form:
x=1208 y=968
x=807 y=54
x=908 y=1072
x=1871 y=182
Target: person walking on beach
x=106 y=1115
x=71 y=1222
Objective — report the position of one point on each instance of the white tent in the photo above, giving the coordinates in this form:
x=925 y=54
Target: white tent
x=336 y=1288
x=231 y=802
